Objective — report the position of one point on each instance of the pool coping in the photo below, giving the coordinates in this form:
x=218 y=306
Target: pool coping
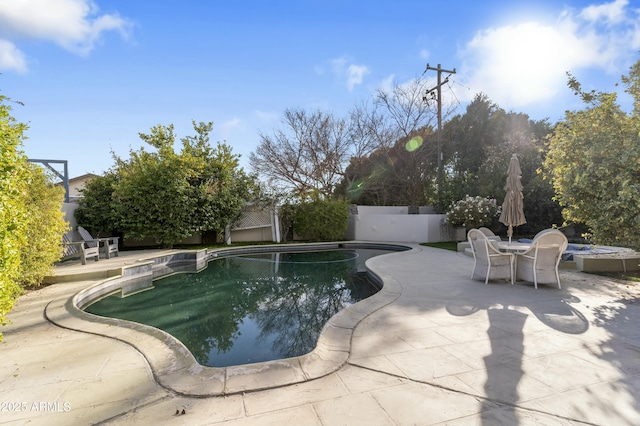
x=172 y=364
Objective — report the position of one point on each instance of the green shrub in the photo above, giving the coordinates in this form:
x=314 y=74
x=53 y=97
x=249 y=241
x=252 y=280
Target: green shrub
x=44 y=228
x=31 y=218
x=320 y=220
x=168 y=195
x=95 y=208
x=13 y=211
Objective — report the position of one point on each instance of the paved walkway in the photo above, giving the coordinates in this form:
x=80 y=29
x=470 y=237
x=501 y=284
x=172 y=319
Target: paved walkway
x=448 y=350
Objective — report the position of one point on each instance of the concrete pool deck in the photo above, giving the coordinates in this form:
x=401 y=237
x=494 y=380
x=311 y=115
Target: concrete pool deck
x=447 y=350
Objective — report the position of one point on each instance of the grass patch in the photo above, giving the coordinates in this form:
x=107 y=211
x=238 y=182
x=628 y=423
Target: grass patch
x=447 y=245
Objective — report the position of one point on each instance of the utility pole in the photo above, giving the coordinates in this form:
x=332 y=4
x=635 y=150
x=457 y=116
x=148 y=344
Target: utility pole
x=438 y=91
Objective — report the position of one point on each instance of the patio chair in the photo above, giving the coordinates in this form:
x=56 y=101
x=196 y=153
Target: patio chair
x=490 y=263
x=79 y=249
x=107 y=245
x=489 y=234
x=539 y=264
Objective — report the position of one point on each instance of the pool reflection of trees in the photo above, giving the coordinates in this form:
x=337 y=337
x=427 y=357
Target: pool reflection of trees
x=290 y=296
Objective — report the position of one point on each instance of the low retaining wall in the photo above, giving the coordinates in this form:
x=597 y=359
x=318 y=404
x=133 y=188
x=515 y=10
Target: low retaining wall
x=413 y=228
x=616 y=262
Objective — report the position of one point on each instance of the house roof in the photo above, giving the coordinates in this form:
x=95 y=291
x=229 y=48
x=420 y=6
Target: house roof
x=82 y=177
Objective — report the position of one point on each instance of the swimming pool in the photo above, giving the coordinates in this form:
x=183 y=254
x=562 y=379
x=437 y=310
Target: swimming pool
x=174 y=367
x=250 y=308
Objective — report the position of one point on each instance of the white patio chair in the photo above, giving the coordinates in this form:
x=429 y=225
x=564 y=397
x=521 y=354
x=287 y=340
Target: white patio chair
x=490 y=263
x=539 y=264
x=489 y=234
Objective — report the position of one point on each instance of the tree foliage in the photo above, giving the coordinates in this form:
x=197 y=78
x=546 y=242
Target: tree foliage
x=13 y=212
x=594 y=164
x=168 y=195
x=400 y=166
x=477 y=150
x=403 y=174
x=31 y=219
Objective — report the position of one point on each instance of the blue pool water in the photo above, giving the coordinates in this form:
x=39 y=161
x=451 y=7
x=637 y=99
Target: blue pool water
x=250 y=308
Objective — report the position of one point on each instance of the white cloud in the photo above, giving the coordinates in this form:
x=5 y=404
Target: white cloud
x=521 y=64
x=354 y=74
x=11 y=58
x=75 y=25
x=609 y=12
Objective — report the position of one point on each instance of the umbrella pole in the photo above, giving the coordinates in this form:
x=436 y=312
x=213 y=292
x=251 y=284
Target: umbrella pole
x=510 y=233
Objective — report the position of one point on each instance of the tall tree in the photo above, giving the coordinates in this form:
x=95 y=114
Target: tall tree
x=308 y=154
x=399 y=165
x=405 y=107
x=593 y=164
x=312 y=151
x=479 y=145
x=403 y=174
x=469 y=138
x=169 y=196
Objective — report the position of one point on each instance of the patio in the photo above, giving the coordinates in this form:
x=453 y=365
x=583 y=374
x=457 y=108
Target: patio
x=446 y=350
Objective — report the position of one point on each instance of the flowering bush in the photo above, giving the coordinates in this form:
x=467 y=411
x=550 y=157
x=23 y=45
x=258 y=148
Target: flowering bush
x=473 y=212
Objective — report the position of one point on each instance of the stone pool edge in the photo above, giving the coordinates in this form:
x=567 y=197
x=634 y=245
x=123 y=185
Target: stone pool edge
x=172 y=364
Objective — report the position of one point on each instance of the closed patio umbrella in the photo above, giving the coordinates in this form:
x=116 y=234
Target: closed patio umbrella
x=513 y=207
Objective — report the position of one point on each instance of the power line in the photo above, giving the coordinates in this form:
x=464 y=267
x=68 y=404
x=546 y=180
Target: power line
x=454 y=94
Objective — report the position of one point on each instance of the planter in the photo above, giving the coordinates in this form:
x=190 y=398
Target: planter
x=461 y=234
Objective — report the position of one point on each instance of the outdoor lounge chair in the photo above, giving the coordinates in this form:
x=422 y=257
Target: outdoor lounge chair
x=490 y=263
x=107 y=245
x=539 y=264
x=79 y=249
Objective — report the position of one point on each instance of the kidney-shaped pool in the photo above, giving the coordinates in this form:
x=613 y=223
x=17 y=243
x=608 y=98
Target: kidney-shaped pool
x=250 y=308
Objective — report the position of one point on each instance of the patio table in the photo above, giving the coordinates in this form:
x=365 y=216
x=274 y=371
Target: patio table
x=513 y=247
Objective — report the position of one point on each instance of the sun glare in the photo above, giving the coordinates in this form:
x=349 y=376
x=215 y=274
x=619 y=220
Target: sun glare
x=525 y=62
x=524 y=56
x=526 y=53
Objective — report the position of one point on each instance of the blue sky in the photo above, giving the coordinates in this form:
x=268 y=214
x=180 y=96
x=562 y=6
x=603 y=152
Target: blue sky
x=93 y=74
